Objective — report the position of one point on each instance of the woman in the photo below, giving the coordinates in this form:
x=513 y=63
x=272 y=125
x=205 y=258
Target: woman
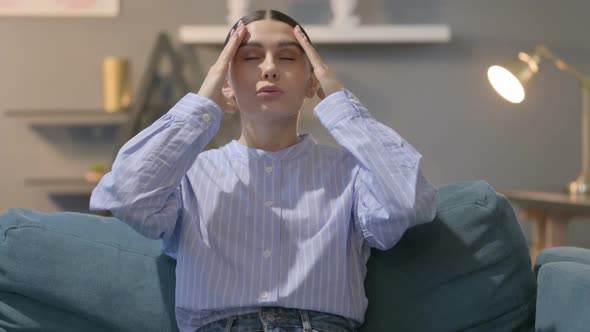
x=272 y=231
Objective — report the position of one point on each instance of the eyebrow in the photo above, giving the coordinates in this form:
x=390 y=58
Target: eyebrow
x=281 y=44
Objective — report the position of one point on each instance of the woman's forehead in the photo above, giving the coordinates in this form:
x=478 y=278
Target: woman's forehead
x=269 y=31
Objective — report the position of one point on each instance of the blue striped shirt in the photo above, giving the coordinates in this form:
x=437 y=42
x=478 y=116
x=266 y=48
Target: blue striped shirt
x=251 y=228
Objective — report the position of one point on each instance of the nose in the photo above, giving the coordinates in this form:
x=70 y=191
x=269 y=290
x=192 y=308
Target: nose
x=269 y=69
x=270 y=76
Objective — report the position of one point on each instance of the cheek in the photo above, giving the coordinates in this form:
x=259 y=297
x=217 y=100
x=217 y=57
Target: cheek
x=243 y=74
x=298 y=69
x=305 y=71
x=235 y=78
x=300 y=75
x=307 y=66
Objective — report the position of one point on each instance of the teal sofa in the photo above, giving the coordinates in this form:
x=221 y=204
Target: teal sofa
x=468 y=270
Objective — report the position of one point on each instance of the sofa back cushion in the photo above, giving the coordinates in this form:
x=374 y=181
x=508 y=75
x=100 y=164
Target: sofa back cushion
x=468 y=270
x=79 y=272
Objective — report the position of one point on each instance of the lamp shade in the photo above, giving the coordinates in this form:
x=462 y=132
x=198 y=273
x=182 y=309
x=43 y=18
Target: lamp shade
x=510 y=79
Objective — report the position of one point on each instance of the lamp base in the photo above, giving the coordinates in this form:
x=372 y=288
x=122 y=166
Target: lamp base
x=579 y=188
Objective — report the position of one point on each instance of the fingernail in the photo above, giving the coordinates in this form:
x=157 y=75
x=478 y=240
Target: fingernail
x=240 y=23
x=300 y=31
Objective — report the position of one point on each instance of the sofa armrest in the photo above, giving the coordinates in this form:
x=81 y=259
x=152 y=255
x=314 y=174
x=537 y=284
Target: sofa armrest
x=563 y=297
x=562 y=254
x=78 y=272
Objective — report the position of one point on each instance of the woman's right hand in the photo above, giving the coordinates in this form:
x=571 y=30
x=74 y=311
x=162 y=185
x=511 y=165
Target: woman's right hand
x=213 y=84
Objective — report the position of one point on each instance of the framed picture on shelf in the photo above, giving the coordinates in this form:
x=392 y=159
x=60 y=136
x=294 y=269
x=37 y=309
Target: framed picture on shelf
x=59 y=8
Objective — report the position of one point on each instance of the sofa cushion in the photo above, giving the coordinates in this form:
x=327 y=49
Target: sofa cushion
x=79 y=272
x=562 y=254
x=564 y=297
x=20 y=313
x=468 y=270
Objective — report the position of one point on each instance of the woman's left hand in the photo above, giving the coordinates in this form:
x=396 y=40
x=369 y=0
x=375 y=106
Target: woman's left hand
x=328 y=81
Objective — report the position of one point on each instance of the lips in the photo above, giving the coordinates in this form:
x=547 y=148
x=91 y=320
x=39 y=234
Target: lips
x=269 y=91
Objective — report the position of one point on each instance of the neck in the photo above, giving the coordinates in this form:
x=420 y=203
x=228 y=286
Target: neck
x=270 y=136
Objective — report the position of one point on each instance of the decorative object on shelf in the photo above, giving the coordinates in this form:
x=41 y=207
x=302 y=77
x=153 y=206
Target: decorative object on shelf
x=510 y=80
x=236 y=9
x=343 y=13
x=96 y=172
x=60 y=8
x=116 y=84
x=162 y=85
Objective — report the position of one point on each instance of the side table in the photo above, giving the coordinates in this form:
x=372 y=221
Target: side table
x=549 y=213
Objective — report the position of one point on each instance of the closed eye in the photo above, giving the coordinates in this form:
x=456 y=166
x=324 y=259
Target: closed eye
x=289 y=59
x=251 y=58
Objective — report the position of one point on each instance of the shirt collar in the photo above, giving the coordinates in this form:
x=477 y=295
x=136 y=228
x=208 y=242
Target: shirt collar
x=235 y=148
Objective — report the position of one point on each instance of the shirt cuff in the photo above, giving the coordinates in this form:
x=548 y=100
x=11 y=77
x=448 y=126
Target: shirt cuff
x=198 y=110
x=338 y=106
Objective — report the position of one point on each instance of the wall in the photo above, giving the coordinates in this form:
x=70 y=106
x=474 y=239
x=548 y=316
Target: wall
x=436 y=96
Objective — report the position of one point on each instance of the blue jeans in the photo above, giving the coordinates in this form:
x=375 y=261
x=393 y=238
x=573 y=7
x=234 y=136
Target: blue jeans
x=275 y=319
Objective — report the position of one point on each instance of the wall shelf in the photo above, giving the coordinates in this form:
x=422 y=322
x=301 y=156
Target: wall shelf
x=325 y=34
x=62 y=185
x=69 y=117
x=69 y=193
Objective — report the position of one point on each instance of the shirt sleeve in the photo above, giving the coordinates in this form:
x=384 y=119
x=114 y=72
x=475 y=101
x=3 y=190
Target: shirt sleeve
x=390 y=192
x=143 y=188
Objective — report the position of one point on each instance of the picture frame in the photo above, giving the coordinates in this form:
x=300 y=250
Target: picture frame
x=59 y=8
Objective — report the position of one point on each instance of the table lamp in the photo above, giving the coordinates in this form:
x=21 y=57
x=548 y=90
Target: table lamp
x=510 y=81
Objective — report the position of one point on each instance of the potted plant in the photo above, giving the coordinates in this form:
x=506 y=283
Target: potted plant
x=96 y=172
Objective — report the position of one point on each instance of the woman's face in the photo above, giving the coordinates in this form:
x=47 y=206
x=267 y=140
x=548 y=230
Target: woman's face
x=270 y=75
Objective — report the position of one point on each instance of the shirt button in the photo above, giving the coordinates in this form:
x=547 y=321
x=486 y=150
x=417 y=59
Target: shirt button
x=206 y=117
x=263 y=295
x=266 y=253
x=269 y=203
x=268 y=170
x=270 y=317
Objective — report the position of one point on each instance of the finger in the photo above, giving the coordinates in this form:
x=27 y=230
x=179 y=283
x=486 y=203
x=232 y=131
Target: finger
x=229 y=51
x=312 y=54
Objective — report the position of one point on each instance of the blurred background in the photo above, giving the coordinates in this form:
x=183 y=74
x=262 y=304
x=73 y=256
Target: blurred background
x=436 y=95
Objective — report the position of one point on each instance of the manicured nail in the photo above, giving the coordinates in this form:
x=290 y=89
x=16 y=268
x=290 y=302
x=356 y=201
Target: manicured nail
x=300 y=32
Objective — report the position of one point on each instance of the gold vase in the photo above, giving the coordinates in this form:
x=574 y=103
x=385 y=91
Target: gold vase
x=116 y=84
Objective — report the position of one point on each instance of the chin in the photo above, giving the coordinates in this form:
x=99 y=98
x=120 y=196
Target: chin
x=276 y=111
x=281 y=104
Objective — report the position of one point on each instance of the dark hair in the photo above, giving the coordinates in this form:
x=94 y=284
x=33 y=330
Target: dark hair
x=270 y=14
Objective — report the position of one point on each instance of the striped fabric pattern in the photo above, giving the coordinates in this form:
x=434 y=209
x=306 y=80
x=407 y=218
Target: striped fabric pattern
x=251 y=228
